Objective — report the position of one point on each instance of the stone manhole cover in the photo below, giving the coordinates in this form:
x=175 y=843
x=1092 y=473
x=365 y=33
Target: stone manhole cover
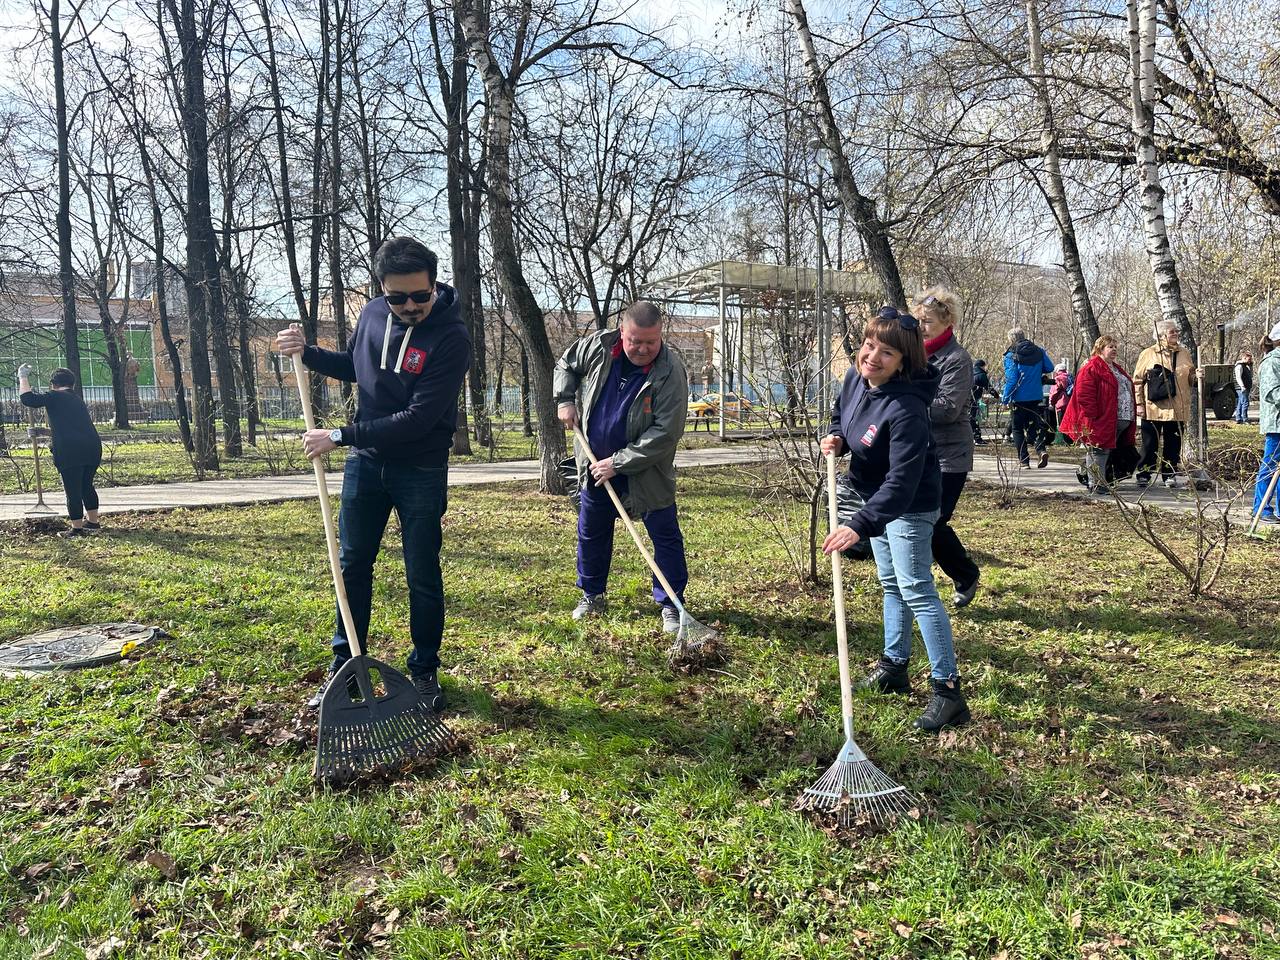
x=69 y=648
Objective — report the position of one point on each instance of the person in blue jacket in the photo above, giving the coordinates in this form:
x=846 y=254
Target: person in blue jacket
x=881 y=418
x=407 y=357
x=1025 y=365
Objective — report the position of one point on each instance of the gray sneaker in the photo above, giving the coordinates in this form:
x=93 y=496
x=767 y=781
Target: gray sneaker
x=670 y=619
x=591 y=605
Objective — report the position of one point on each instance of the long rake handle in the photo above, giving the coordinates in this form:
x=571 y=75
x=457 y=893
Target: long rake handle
x=35 y=450
x=326 y=511
x=1271 y=490
x=837 y=590
x=631 y=527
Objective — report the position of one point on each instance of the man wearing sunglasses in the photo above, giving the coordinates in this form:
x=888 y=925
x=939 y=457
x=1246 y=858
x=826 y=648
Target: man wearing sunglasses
x=408 y=356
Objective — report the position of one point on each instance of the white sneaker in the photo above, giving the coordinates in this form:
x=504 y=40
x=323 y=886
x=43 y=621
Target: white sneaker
x=670 y=619
x=1176 y=483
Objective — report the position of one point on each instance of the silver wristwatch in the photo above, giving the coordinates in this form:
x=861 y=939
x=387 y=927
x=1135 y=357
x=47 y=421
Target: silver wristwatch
x=335 y=435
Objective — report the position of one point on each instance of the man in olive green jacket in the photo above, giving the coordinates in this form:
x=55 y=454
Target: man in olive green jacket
x=633 y=391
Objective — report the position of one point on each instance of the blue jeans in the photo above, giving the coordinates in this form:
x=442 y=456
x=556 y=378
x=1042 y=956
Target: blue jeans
x=904 y=562
x=1242 y=406
x=597 y=518
x=1270 y=461
x=419 y=495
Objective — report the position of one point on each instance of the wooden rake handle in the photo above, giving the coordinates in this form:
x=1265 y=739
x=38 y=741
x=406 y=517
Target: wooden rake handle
x=326 y=511
x=837 y=590
x=631 y=527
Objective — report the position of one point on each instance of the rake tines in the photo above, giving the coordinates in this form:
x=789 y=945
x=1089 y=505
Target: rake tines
x=857 y=791
x=695 y=645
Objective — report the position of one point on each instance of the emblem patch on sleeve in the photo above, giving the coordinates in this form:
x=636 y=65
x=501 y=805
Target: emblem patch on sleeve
x=414 y=360
x=869 y=437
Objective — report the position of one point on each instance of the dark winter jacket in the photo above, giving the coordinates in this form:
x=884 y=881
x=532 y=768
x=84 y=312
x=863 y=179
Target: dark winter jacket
x=408 y=378
x=949 y=412
x=75 y=439
x=892 y=462
x=1025 y=363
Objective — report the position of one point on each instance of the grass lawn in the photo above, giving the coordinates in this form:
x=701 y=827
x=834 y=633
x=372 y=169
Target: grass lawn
x=1115 y=796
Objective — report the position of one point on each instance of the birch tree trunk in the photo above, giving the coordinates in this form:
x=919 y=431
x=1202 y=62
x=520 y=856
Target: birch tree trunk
x=1142 y=51
x=1054 y=187
x=1164 y=271
x=341 y=15
x=861 y=208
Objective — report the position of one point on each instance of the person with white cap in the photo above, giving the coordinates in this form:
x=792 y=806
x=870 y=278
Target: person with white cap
x=408 y=356
x=1269 y=426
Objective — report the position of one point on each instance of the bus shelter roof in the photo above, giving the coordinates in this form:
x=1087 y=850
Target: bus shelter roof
x=766 y=284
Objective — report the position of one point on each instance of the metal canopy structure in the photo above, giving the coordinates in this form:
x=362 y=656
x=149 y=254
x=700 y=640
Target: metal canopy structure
x=764 y=284
x=747 y=285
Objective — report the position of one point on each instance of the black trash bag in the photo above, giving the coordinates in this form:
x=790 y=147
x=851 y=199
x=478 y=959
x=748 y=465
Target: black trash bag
x=849 y=502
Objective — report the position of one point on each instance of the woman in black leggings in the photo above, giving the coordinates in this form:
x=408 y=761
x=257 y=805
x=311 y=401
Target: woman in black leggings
x=77 y=448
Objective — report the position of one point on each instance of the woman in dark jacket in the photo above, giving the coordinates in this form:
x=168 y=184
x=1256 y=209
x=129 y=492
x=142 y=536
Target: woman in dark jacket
x=1100 y=413
x=77 y=448
x=938 y=311
x=881 y=418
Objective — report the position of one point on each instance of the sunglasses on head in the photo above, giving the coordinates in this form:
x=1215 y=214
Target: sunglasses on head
x=418 y=296
x=905 y=320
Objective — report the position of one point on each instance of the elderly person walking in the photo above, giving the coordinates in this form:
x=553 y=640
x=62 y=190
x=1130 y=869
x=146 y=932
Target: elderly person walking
x=1269 y=426
x=1100 y=413
x=938 y=310
x=77 y=448
x=1162 y=378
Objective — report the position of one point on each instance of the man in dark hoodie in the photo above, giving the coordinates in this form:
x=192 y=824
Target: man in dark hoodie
x=1025 y=365
x=408 y=356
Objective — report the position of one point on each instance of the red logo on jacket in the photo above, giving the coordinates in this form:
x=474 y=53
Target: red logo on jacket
x=869 y=437
x=414 y=360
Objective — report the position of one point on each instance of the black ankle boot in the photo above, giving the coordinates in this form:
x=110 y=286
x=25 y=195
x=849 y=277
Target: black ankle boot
x=887 y=677
x=946 y=708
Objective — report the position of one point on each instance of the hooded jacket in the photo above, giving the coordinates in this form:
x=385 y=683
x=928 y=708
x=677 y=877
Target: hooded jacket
x=1024 y=365
x=655 y=420
x=407 y=379
x=1269 y=393
x=892 y=461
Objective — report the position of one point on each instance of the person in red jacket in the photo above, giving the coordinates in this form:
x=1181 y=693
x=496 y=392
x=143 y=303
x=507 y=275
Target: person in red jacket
x=1101 y=411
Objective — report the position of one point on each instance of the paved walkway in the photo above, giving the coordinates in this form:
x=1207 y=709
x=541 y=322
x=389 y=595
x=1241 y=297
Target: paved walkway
x=171 y=496
x=1056 y=479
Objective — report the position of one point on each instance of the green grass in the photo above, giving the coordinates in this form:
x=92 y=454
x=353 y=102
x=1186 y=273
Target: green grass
x=1114 y=796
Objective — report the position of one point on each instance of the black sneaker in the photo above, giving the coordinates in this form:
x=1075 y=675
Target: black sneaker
x=1143 y=480
x=90 y=525
x=946 y=707
x=428 y=687
x=1044 y=459
x=353 y=688
x=74 y=532
x=887 y=677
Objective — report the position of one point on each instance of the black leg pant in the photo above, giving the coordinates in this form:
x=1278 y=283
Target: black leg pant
x=948 y=551
x=1168 y=433
x=77 y=482
x=1027 y=418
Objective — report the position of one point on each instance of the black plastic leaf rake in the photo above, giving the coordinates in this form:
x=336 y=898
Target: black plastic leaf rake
x=365 y=727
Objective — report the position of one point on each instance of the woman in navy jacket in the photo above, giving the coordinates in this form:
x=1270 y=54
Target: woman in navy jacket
x=881 y=418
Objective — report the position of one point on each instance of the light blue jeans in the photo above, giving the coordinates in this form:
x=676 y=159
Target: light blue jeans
x=1270 y=463
x=904 y=562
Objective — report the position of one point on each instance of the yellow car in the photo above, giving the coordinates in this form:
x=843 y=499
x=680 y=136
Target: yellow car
x=709 y=406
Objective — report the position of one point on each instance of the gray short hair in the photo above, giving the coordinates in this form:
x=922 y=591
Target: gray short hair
x=1016 y=335
x=1164 y=326
x=643 y=313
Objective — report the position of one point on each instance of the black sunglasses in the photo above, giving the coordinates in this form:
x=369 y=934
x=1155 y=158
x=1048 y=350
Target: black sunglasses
x=905 y=320
x=418 y=296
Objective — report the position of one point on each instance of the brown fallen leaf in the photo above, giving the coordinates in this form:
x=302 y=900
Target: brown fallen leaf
x=162 y=862
x=110 y=947
x=37 y=870
x=902 y=929
x=1227 y=920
